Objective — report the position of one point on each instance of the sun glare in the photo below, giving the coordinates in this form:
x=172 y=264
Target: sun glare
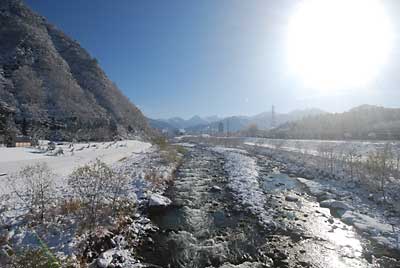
x=338 y=43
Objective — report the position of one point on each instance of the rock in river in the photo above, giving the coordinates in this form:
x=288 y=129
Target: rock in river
x=157 y=201
x=335 y=204
x=216 y=189
x=291 y=198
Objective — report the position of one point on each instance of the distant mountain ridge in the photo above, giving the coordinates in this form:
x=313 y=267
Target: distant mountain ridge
x=197 y=124
x=57 y=89
x=262 y=121
x=179 y=123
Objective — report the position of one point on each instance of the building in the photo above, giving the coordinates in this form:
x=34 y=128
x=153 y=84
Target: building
x=22 y=141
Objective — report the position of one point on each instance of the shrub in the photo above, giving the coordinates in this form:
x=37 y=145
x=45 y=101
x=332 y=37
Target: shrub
x=160 y=142
x=34 y=186
x=97 y=186
x=70 y=206
x=33 y=258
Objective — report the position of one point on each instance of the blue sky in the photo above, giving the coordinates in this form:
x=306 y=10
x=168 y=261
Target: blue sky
x=181 y=58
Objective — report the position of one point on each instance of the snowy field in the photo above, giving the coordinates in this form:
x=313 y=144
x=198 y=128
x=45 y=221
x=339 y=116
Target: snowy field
x=312 y=146
x=13 y=159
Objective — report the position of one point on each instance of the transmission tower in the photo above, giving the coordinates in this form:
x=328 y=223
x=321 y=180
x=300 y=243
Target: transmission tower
x=273 y=122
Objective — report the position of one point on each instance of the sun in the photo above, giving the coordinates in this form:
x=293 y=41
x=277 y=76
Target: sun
x=338 y=43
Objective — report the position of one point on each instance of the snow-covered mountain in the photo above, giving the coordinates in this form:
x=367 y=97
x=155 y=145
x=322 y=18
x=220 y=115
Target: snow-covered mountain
x=56 y=88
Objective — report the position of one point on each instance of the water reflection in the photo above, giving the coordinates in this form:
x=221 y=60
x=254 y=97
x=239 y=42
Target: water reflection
x=328 y=242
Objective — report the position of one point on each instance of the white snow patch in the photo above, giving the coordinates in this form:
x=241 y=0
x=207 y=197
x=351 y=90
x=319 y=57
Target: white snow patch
x=185 y=144
x=366 y=223
x=107 y=257
x=314 y=187
x=243 y=181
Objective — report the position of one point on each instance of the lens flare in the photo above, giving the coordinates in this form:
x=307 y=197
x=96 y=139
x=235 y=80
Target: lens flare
x=338 y=43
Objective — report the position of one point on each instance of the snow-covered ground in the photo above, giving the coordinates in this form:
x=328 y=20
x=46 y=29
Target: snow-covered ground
x=141 y=162
x=351 y=206
x=243 y=181
x=312 y=146
x=13 y=159
x=356 y=205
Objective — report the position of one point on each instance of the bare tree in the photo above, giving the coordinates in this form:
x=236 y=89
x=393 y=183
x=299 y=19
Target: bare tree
x=352 y=157
x=322 y=151
x=380 y=164
x=118 y=190
x=332 y=156
x=397 y=164
x=34 y=185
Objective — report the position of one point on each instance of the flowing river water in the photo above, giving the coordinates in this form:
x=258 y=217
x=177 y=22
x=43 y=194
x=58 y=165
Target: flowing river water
x=206 y=226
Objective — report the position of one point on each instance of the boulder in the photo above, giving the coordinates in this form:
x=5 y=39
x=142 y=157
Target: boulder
x=291 y=198
x=157 y=200
x=367 y=224
x=335 y=204
x=216 y=189
x=105 y=259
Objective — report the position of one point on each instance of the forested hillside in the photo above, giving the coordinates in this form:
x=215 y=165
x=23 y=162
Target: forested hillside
x=363 y=122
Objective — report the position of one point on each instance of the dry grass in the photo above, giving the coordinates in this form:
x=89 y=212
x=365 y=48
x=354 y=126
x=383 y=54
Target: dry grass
x=70 y=206
x=155 y=178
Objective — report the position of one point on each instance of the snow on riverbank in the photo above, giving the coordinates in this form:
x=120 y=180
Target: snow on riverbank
x=141 y=162
x=352 y=210
x=343 y=195
x=243 y=181
x=311 y=147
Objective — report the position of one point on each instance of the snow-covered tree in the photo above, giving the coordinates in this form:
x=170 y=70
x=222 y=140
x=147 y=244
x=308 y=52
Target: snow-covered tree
x=34 y=185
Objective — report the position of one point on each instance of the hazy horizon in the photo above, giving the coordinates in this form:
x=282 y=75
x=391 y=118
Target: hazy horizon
x=277 y=111
x=208 y=58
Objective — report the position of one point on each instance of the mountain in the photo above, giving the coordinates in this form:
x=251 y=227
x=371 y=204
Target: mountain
x=231 y=124
x=362 y=122
x=262 y=121
x=179 y=123
x=58 y=91
x=299 y=114
x=197 y=124
x=162 y=126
